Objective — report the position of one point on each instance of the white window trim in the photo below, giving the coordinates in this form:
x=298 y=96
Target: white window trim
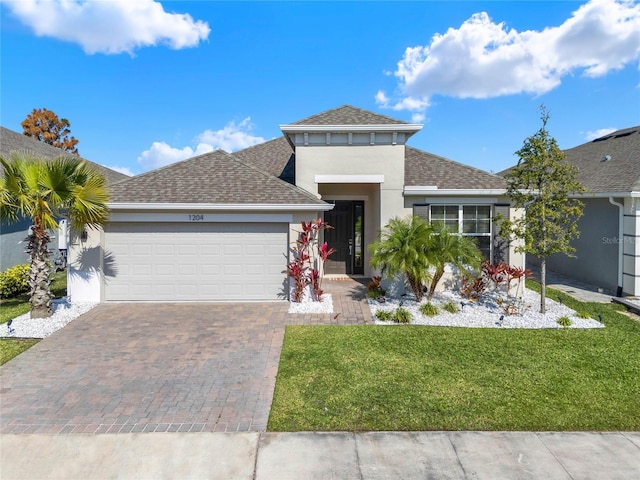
x=461 y=220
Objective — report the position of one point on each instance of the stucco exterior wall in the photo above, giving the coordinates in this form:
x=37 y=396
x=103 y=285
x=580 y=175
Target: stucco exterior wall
x=356 y=164
x=596 y=256
x=85 y=271
x=357 y=161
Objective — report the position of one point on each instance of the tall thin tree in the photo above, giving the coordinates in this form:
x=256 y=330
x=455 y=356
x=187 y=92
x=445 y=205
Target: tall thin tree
x=544 y=185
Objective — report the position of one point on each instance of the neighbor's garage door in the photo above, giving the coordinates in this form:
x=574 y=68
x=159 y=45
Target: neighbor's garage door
x=195 y=261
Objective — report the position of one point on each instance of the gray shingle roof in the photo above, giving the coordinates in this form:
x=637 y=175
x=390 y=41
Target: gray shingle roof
x=348 y=115
x=11 y=141
x=621 y=173
x=426 y=169
x=213 y=178
x=275 y=157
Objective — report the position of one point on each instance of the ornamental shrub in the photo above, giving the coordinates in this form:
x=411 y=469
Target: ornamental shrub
x=402 y=315
x=428 y=309
x=14 y=281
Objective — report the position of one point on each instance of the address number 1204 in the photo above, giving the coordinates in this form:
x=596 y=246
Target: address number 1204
x=197 y=217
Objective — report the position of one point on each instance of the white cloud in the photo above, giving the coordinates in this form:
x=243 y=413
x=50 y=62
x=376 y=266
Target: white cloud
x=483 y=59
x=231 y=138
x=598 y=133
x=111 y=27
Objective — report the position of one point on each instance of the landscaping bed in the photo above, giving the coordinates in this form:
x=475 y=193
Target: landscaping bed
x=453 y=310
x=367 y=378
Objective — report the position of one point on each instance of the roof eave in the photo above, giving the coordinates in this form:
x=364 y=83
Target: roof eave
x=403 y=127
x=219 y=206
x=632 y=194
x=434 y=190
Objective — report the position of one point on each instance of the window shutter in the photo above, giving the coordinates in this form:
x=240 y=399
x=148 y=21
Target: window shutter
x=500 y=246
x=421 y=210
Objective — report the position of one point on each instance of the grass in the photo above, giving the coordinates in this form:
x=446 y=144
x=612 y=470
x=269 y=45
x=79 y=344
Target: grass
x=14 y=307
x=12 y=347
x=361 y=378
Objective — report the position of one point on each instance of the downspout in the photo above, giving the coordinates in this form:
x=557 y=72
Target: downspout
x=620 y=244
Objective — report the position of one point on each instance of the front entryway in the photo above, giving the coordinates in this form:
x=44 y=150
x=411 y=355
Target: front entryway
x=347 y=237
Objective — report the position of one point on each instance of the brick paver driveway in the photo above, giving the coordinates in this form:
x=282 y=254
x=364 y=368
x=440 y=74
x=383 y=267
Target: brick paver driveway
x=159 y=367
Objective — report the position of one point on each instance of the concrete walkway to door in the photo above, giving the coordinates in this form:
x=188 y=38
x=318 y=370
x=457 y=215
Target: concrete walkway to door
x=186 y=367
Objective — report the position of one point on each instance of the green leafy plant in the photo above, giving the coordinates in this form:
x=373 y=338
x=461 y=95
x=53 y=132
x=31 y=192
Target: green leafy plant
x=14 y=281
x=545 y=185
x=564 y=322
x=583 y=315
x=449 y=248
x=429 y=309
x=402 y=315
x=451 y=307
x=403 y=248
x=384 y=315
x=42 y=191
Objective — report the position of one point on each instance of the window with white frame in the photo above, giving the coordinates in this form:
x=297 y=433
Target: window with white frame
x=468 y=220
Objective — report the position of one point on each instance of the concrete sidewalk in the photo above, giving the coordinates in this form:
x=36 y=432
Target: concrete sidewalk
x=282 y=456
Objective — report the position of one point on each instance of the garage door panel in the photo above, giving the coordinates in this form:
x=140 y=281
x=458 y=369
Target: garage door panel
x=196 y=262
x=213 y=250
x=164 y=250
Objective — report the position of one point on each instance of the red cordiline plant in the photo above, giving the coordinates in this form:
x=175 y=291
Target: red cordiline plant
x=304 y=269
x=500 y=276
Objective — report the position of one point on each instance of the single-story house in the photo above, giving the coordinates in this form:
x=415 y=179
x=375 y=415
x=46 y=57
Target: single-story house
x=219 y=226
x=12 y=234
x=608 y=250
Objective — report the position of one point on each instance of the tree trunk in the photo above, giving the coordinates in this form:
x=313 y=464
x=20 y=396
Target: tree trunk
x=416 y=287
x=543 y=285
x=434 y=282
x=40 y=273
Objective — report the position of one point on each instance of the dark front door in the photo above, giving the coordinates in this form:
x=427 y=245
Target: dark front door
x=346 y=237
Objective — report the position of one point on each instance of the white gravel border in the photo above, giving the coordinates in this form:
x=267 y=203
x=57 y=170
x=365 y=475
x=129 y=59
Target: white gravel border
x=26 y=327
x=308 y=306
x=487 y=313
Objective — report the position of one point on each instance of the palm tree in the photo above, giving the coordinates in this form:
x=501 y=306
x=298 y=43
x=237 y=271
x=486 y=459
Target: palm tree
x=461 y=252
x=403 y=248
x=41 y=190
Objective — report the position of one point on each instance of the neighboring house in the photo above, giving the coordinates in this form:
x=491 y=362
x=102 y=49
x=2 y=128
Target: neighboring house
x=219 y=226
x=608 y=249
x=12 y=234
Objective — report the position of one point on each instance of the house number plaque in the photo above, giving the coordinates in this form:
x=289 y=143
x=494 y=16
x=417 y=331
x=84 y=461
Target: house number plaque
x=196 y=217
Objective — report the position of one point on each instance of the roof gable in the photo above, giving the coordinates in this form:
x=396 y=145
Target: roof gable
x=11 y=141
x=213 y=178
x=348 y=115
x=275 y=157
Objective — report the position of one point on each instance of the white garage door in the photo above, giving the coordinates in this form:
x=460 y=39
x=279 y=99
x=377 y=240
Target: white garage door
x=195 y=261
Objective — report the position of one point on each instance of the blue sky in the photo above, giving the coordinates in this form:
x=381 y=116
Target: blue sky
x=146 y=83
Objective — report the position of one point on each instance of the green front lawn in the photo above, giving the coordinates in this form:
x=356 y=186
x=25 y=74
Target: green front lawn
x=11 y=308
x=361 y=378
x=14 y=307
